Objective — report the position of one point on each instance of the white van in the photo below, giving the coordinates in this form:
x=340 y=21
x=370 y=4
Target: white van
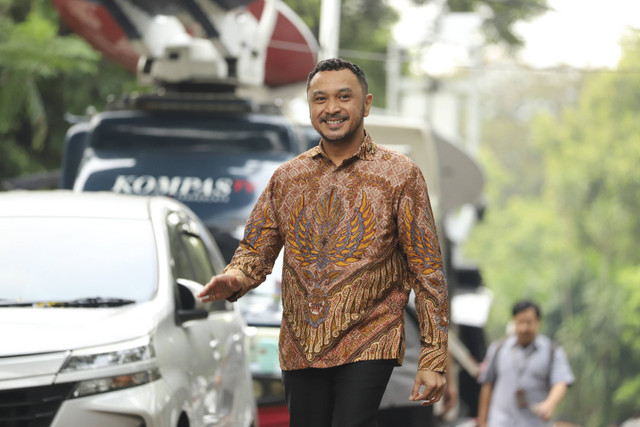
x=99 y=320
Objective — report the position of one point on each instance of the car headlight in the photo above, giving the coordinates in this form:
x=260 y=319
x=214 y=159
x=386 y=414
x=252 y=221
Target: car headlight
x=103 y=385
x=134 y=353
x=120 y=354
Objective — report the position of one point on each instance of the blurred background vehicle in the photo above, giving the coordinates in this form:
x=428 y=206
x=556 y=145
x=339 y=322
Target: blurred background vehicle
x=100 y=292
x=215 y=154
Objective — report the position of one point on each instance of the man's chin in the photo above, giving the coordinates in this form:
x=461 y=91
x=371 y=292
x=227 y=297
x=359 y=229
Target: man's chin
x=334 y=137
x=339 y=137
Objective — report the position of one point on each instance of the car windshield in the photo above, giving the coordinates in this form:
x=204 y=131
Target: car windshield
x=262 y=306
x=52 y=261
x=206 y=136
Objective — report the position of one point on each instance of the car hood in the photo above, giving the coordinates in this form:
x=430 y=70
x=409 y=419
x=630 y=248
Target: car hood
x=47 y=330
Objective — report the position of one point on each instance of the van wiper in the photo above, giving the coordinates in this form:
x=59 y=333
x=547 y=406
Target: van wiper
x=14 y=303
x=80 y=302
x=98 y=302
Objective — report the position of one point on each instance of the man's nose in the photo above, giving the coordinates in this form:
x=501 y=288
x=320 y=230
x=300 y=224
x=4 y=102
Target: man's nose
x=332 y=105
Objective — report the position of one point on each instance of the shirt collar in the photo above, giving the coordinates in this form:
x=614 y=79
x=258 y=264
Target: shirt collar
x=533 y=345
x=367 y=149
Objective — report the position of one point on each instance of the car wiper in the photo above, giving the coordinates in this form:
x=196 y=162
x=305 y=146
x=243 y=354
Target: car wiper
x=14 y=303
x=80 y=302
x=98 y=302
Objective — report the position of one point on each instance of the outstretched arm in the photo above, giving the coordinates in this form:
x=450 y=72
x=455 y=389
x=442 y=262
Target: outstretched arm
x=221 y=287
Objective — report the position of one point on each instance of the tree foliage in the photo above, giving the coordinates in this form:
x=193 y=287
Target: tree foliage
x=567 y=235
x=44 y=74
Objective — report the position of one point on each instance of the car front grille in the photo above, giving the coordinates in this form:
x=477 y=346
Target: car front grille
x=32 y=407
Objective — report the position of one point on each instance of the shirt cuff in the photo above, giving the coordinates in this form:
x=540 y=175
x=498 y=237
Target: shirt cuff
x=243 y=284
x=435 y=361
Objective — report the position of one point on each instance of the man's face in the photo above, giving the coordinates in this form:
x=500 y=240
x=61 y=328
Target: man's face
x=337 y=105
x=526 y=326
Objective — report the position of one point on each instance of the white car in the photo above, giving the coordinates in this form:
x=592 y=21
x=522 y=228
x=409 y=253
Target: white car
x=99 y=320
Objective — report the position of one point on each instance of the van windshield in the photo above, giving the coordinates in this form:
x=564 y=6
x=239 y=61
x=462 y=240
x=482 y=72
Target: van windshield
x=206 y=135
x=50 y=261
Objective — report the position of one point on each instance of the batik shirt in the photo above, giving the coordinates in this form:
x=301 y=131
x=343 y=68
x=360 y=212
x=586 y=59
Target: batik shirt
x=357 y=238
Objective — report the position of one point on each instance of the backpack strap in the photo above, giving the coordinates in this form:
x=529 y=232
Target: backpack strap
x=500 y=344
x=494 y=361
x=552 y=353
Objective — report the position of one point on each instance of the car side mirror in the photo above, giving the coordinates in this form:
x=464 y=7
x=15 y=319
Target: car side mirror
x=187 y=306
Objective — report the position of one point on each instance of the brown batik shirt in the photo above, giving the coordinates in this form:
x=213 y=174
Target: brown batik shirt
x=357 y=238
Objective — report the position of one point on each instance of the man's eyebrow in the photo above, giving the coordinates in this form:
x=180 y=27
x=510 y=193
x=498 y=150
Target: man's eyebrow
x=322 y=92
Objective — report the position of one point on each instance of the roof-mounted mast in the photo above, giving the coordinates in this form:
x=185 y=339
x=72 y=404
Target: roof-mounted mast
x=219 y=45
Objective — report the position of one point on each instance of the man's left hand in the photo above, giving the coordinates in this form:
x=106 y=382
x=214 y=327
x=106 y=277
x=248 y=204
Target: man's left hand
x=544 y=410
x=434 y=384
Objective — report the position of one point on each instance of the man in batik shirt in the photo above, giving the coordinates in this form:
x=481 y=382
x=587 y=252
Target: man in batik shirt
x=358 y=233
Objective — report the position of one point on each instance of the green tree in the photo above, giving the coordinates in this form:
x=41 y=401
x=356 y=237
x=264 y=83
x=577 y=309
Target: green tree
x=30 y=53
x=44 y=74
x=567 y=235
x=599 y=192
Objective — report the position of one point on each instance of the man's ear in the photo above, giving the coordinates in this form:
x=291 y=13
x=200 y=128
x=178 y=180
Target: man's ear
x=367 y=104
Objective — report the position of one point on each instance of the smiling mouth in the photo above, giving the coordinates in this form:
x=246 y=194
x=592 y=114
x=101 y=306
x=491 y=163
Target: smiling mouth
x=333 y=122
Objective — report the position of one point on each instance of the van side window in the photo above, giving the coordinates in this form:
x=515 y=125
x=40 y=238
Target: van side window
x=181 y=265
x=191 y=259
x=197 y=256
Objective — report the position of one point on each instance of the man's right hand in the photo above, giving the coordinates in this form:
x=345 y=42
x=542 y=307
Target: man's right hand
x=220 y=287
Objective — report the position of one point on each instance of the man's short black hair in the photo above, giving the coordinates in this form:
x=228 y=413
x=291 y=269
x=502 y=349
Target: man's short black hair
x=337 y=64
x=526 y=304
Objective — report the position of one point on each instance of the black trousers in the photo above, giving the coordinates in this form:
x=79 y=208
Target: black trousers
x=407 y=416
x=343 y=396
